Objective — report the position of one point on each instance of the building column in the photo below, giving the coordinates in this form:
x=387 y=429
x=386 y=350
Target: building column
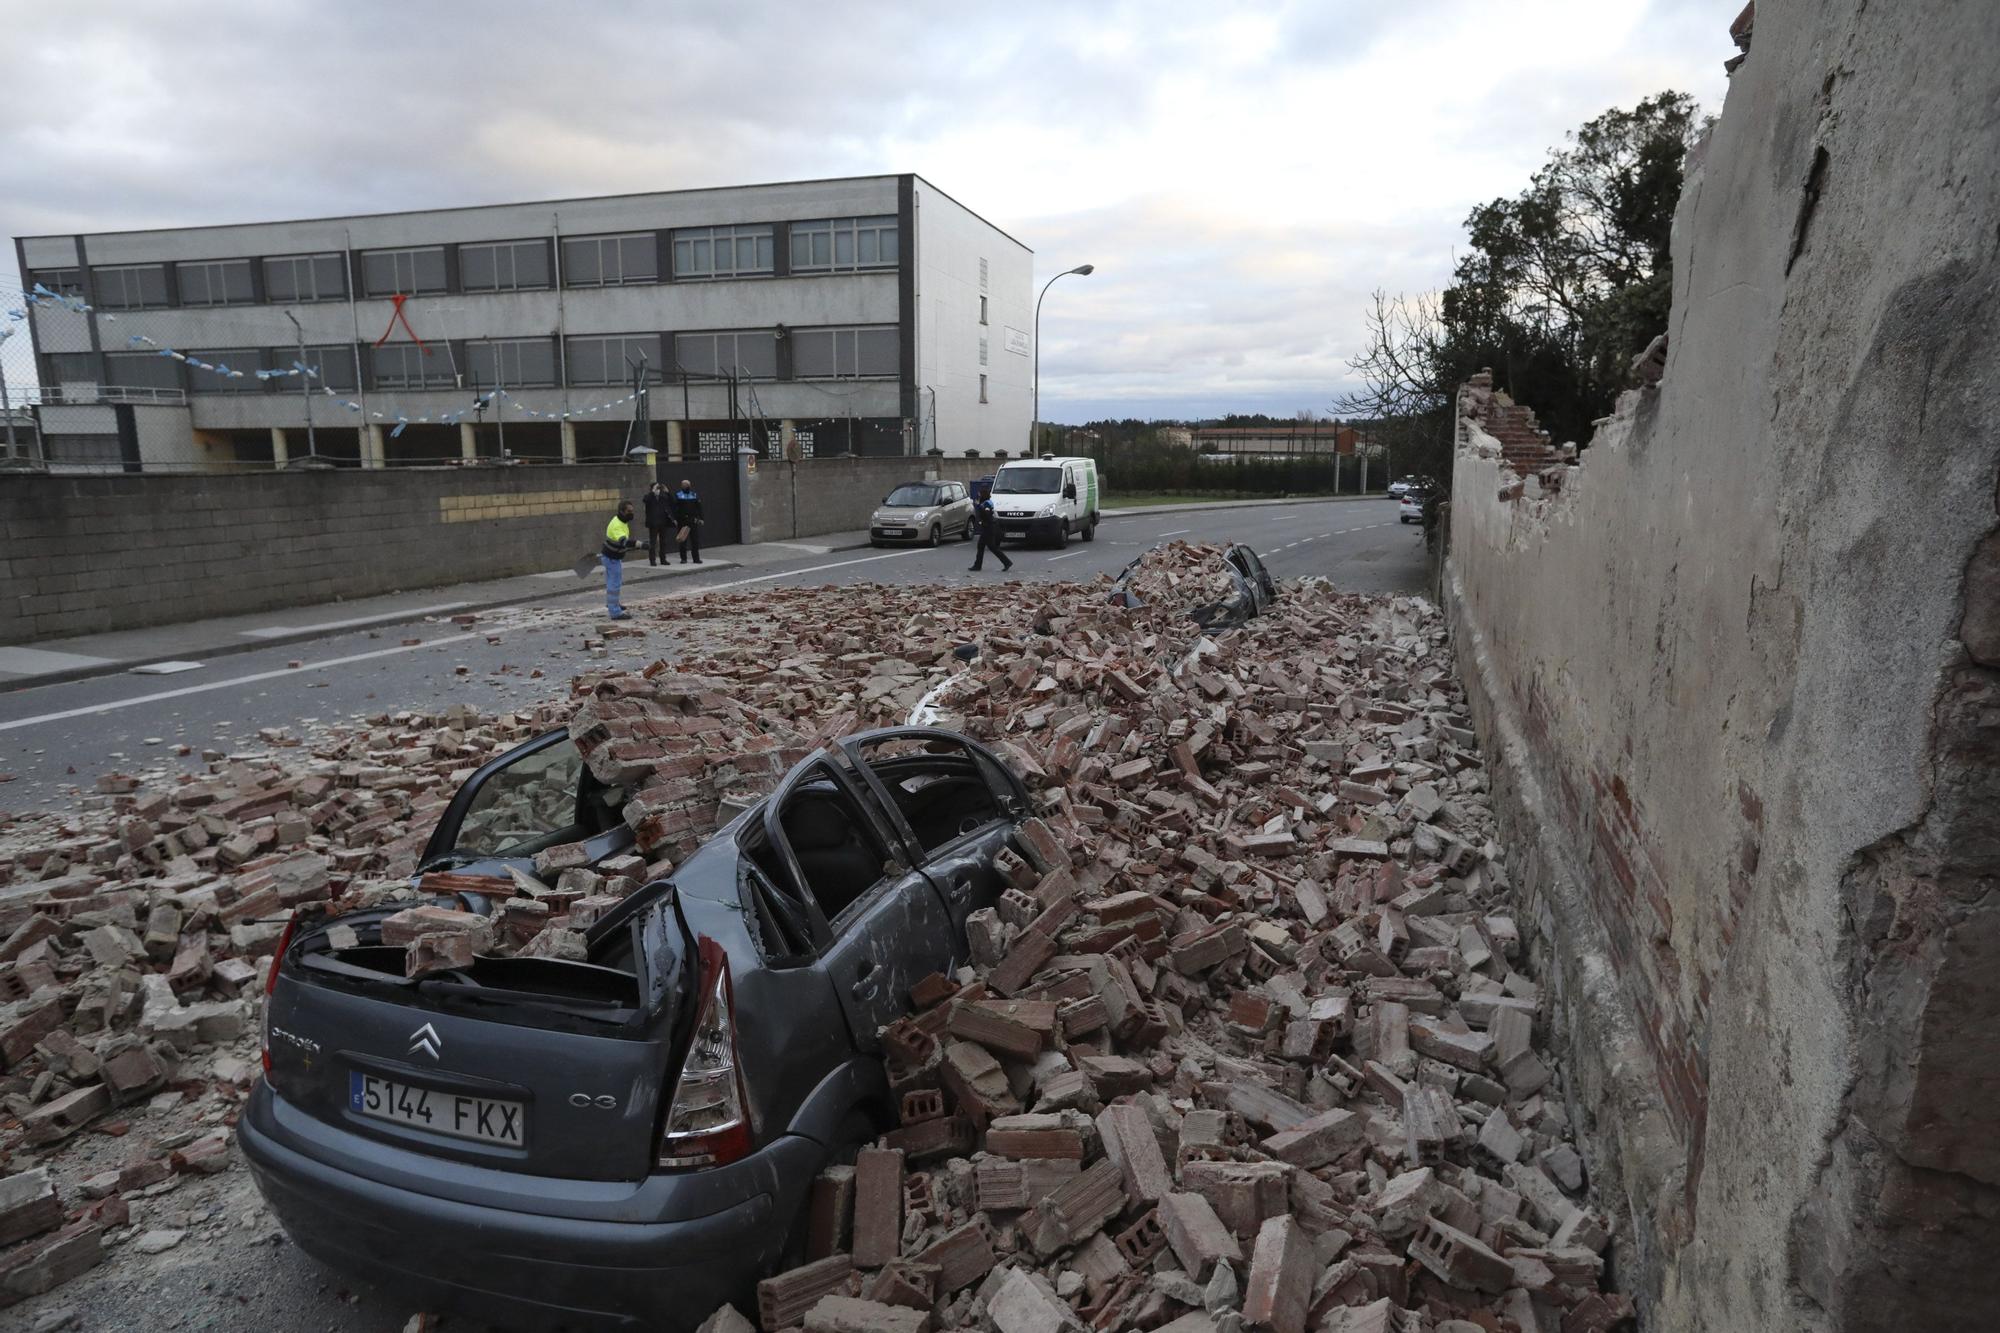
x=468 y=442
x=569 y=441
x=373 y=454
x=281 y=454
x=674 y=441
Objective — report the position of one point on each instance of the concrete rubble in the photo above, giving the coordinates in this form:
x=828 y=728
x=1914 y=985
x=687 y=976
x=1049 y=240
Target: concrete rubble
x=1243 y=1046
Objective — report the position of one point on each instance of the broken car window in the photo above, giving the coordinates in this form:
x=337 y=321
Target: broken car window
x=526 y=806
x=939 y=786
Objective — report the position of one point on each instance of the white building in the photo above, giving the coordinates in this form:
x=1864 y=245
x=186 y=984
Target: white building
x=874 y=315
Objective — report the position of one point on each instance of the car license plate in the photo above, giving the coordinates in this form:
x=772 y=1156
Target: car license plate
x=485 y=1119
x=895 y=532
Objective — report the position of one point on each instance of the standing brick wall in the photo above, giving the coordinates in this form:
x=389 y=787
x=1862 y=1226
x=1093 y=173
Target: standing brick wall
x=85 y=555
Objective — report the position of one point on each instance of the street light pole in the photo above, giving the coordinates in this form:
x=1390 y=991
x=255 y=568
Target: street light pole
x=1082 y=271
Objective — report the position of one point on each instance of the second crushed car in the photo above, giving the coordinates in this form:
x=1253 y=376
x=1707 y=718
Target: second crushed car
x=629 y=1134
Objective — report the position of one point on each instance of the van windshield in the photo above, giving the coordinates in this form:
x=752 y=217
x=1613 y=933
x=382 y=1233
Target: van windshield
x=1028 y=481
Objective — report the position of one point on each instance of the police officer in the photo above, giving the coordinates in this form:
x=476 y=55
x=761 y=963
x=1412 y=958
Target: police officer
x=989 y=534
x=617 y=545
x=686 y=509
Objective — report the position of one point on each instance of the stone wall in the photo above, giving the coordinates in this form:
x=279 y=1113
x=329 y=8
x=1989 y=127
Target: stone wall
x=790 y=500
x=1739 y=669
x=88 y=554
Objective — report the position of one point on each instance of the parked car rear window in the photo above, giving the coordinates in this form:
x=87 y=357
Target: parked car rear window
x=524 y=807
x=911 y=497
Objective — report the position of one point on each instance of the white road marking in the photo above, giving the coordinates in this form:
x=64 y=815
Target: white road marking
x=794 y=573
x=250 y=679
x=274 y=631
x=1071 y=556
x=1176 y=532
x=165 y=668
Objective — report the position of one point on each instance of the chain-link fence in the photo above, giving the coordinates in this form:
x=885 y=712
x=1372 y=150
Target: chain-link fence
x=89 y=389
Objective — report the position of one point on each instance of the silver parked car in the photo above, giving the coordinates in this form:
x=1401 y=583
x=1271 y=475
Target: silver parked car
x=923 y=511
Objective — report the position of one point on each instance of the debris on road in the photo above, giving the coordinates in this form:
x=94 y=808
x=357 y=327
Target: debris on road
x=1247 y=1043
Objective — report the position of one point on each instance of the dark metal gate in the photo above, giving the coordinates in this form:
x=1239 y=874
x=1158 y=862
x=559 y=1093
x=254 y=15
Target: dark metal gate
x=715 y=481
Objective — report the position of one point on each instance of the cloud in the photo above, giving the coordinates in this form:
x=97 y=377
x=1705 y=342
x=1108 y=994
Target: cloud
x=1243 y=176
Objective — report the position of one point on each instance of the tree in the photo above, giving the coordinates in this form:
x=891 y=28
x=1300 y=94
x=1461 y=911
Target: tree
x=1560 y=286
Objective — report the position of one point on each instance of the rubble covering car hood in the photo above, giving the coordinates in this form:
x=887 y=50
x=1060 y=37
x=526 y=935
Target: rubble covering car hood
x=1218 y=587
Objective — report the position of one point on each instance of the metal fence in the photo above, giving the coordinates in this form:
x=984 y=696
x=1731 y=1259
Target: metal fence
x=258 y=388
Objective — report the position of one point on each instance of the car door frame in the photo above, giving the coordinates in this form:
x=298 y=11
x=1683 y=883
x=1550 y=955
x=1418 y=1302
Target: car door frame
x=881 y=928
x=960 y=870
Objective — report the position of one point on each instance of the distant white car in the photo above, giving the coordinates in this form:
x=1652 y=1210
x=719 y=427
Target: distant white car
x=1410 y=506
x=1401 y=488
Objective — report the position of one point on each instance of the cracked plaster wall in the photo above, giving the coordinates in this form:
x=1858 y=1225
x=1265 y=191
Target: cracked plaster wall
x=1739 y=675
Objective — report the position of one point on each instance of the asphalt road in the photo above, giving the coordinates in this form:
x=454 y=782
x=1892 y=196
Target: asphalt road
x=56 y=737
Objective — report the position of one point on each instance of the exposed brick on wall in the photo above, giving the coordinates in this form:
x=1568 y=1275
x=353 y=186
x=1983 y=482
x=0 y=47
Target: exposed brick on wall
x=86 y=555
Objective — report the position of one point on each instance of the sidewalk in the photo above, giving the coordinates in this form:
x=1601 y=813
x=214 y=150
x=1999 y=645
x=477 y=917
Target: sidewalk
x=54 y=661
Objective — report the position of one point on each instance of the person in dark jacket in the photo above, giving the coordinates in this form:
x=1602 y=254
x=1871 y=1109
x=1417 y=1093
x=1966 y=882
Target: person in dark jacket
x=659 y=522
x=686 y=510
x=989 y=535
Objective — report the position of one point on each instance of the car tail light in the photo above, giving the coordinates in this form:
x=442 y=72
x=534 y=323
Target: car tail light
x=271 y=985
x=708 y=1119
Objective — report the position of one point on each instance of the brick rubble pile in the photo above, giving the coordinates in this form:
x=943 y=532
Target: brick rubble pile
x=1243 y=1046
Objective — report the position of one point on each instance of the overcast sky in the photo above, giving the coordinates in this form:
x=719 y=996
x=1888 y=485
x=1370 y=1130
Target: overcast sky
x=1242 y=176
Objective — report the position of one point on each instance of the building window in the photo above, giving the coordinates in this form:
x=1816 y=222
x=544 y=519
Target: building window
x=512 y=363
x=70 y=367
x=249 y=360
x=844 y=353
x=982 y=388
x=752 y=352
x=335 y=364
x=303 y=278
x=612 y=359
x=94 y=451
x=131 y=287
x=722 y=252
x=982 y=282
x=838 y=244
x=403 y=272
x=610 y=261
x=142 y=370
x=982 y=349
x=503 y=266
x=215 y=282
x=408 y=366
x=61 y=281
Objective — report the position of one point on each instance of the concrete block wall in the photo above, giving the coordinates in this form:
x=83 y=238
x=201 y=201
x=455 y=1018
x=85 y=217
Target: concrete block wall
x=85 y=555
x=820 y=495
x=1738 y=676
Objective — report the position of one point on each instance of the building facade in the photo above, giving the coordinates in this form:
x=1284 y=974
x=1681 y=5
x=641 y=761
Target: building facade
x=872 y=315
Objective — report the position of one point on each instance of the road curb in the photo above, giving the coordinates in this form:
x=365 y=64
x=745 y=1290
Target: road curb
x=1199 y=508
x=230 y=649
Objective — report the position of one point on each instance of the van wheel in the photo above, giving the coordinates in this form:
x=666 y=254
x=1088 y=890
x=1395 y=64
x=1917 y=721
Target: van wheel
x=1090 y=529
x=933 y=541
x=1062 y=533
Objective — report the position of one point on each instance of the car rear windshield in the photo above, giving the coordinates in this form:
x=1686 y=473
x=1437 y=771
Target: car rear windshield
x=1028 y=481
x=912 y=497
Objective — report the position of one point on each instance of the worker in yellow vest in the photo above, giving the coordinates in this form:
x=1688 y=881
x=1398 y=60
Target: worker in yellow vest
x=617 y=545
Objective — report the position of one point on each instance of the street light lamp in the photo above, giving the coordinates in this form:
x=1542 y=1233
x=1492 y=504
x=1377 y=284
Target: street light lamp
x=1082 y=271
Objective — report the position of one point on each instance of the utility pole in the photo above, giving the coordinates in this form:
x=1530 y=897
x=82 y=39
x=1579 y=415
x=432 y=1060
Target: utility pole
x=500 y=403
x=6 y=404
x=305 y=388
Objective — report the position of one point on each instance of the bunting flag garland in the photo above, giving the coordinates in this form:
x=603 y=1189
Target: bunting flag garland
x=498 y=399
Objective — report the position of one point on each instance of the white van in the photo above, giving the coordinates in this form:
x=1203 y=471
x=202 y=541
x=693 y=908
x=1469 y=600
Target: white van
x=1046 y=499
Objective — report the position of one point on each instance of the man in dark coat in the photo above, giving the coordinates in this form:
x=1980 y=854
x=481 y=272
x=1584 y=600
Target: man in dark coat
x=989 y=535
x=686 y=509
x=659 y=522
